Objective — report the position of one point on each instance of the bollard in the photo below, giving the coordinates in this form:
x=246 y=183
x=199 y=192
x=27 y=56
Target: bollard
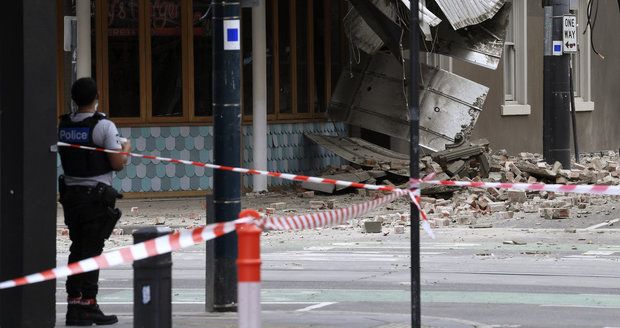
x=152 y=285
x=248 y=272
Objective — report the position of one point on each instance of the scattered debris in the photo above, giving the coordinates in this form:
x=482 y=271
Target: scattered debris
x=514 y=242
x=372 y=227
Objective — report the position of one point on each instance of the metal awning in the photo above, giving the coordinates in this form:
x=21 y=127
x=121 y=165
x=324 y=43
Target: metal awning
x=362 y=153
x=471 y=12
x=373 y=98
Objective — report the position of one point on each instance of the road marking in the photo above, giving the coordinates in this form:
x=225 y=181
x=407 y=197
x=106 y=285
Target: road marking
x=318 y=248
x=574 y=306
x=598 y=252
x=604 y=224
x=315 y=306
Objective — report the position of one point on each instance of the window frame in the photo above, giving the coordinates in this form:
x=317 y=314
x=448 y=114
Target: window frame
x=582 y=63
x=189 y=117
x=519 y=103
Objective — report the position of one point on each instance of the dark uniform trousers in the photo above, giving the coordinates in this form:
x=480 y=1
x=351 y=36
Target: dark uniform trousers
x=90 y=218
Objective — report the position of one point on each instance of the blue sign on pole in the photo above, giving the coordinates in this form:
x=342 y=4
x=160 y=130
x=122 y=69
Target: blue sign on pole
x=231 y=35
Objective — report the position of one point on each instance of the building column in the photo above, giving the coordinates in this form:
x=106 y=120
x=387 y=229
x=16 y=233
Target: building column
x=259 y=89
x=27 y=162
x=82 y=9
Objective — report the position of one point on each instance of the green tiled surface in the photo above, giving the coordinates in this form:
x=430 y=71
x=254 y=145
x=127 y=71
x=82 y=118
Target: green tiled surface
x=288 y=151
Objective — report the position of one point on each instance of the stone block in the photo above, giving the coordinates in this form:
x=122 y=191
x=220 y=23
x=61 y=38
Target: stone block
x=497 y=206
x=443 y=222
x=556 y=213
x=506 y=215
x=399 y=229
x=308 y=194
x=465 y=220
x=514 y=169
x=529 y=208
x=372 y=227
x=517 y=196
x=278 y=206
x=317 y=204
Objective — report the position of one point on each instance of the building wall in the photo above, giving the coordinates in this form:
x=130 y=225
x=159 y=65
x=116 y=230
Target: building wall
x=288 y=151
x=597 y=129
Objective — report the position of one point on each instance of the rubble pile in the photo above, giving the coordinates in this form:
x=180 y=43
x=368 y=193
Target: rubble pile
x=468 y=206
x=453 y=205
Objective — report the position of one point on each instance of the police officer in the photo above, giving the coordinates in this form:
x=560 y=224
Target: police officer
x=87 y=198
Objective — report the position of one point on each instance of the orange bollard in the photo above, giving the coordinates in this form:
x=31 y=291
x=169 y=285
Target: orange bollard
x=248 y=272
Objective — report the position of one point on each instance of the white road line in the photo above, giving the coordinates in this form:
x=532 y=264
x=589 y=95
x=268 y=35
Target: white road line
x=604 y=224
x=315 y=306
x=577 y=306
x=599 y=252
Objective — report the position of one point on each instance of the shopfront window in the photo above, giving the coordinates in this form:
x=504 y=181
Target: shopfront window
x=202 y=37
x=319 y=55
x=166 y=58
x=247 y=60
x=302 y=41
x=123 y=58
x=153 y=59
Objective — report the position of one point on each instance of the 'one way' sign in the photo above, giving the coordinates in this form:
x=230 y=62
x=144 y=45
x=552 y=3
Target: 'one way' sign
x=569 y=33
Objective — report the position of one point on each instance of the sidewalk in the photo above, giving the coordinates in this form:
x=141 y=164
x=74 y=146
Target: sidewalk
x=281 y=319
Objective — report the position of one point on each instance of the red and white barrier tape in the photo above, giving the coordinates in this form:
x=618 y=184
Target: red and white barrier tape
x=125 y=255
x=286 y=176
x=578 y=189
x=186 y=238
x=340 y=215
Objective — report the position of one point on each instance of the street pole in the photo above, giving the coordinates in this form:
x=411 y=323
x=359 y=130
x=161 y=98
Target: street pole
x=414 y=155
x=556 y=103
x=84 y=64
x=259 y=89
x=27 y=161
x=227 y=139
x=573 y=111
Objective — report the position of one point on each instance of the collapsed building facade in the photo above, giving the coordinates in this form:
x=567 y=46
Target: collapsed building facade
x=335 y=68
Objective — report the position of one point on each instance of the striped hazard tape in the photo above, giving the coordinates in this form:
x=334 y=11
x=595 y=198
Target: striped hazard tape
x=125 y=255
x=578 y=189
x=341 y=215
x=286 y=176
x=186 y=238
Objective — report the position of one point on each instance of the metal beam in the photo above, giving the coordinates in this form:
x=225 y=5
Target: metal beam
x=556 y=102
x=227 y=144
x=414 y=157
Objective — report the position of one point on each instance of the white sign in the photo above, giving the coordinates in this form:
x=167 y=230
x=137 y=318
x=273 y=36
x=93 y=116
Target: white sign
x=569 y=34
x=232 y=35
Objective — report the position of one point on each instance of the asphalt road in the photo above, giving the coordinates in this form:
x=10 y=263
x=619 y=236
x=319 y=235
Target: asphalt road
x=470 y=278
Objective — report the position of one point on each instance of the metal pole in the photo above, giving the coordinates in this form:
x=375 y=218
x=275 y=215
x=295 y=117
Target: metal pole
x=83 y=38
x=556 y=116
x=27 y=163
x=259 y=89
x=152 y=284
x=573 y=111
x=227 y=139
x=414 y=155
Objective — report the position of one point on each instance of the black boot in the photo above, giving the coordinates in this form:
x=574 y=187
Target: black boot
x=87 y=315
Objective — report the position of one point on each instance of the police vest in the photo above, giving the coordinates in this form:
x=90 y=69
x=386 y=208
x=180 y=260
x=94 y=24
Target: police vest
x=80 y=162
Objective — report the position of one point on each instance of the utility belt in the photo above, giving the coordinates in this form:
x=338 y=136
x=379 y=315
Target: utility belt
x=84 y=195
